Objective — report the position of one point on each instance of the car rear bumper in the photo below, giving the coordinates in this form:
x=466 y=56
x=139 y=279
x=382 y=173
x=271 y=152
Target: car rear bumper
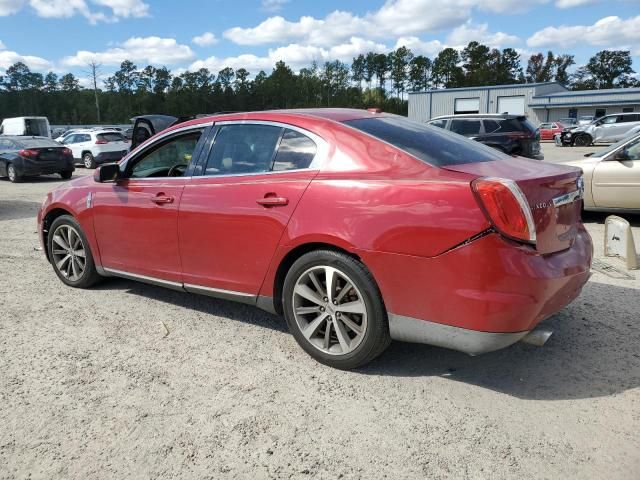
x=481 y=296
x=107 y=157
x=43 y=167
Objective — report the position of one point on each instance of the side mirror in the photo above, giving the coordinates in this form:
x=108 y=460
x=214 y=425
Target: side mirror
x=620 y=156
x=109 y=172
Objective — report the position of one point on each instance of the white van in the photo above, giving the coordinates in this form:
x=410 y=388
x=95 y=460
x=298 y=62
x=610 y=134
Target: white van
x=26 y=126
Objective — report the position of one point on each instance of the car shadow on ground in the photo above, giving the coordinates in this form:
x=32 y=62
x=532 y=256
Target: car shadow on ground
x=592 y=353
x=17 y=209
x=600 y=217
x=39 y=179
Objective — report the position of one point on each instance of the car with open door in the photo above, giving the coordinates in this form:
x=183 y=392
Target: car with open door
x=612 y=176
x=358 y=226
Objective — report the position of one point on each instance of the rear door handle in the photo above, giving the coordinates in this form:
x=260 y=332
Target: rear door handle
x=273 y=201
x=161 y=198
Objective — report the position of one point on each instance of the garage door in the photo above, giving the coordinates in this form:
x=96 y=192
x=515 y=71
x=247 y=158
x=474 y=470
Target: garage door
x=467 y=105
x=512 y=105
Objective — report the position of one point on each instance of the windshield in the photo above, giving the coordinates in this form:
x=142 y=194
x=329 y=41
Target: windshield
x=432 y=145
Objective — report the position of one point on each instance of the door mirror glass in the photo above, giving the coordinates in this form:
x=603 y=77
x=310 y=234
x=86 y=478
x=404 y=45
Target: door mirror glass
x=109 y=172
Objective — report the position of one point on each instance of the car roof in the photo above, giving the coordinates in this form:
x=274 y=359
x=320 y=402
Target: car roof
x=22 y=137
x=503 y=116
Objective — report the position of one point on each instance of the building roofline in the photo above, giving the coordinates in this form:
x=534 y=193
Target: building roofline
x=488 y=87
x=585 y=93
x=582 y=104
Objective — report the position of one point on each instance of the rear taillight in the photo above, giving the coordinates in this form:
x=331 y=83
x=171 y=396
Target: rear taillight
x=101 y=141
x=28 y=153
x=506 y=207
x=67 y=152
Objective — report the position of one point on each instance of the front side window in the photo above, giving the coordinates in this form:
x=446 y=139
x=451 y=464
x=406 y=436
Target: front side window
x=544 y=126
x=439 y=123
x=632 y=150
x=609 y=120
x=169 y=159
x=465 y=127
x=243 y=149
x=296 y=151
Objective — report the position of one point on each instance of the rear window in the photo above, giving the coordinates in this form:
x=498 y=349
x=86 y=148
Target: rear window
x=111 y=137
x=432 y=145
x=38 y=143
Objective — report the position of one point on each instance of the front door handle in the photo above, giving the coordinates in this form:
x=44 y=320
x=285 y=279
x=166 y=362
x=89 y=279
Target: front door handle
x=273 y=201
x=161 y=198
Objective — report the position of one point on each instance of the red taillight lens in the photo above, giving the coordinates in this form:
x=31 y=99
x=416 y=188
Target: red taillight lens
x=67 y=152
x=28 y=153
x=506 y=207
x=101 y=141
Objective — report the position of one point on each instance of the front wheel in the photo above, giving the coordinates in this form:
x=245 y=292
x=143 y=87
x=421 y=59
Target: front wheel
x=582 y=140
x=66 y=175
x=88 y=160
x=334 y=309
x=70 y=254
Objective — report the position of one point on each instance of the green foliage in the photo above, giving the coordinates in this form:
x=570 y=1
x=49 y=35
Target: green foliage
x=372 y=80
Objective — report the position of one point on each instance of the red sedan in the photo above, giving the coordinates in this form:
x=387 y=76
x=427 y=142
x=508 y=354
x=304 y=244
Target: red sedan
x=549 y=130
x=360 y=227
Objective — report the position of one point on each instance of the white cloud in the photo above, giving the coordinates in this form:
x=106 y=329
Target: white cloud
x=152 y=50
x=608 y=32
x=462 y=35
x=105 y=10
x=574 y=3
x=8 y=58
x=294 y=55
x=205 y=39
x=420 y=47
x=273 y=5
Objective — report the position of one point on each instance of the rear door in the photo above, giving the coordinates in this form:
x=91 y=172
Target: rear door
x=233 y=215
x=616 y=183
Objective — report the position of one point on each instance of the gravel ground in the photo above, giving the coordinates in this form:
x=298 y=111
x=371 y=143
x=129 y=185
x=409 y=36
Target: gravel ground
x=92 y=386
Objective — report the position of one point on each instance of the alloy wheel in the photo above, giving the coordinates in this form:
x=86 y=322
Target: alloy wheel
x=11 y=173
x=329 y=310
x=68 y=252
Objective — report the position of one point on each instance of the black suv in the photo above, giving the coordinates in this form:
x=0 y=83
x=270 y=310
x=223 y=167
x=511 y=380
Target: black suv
x=511 y=134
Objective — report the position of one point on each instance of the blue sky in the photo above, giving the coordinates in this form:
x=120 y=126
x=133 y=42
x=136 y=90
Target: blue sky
x=63 y=35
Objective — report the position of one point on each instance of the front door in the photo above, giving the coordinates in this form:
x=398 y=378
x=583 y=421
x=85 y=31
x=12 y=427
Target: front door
x=616 y=183
x=136 y=218
x=232 y=217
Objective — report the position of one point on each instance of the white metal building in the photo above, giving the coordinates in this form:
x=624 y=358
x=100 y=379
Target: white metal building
x=541 y=102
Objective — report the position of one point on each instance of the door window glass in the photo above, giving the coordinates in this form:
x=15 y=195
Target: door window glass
x=172 y=157
x=465 y=127
x=544 y=126
x=439 y=123
x=633 y=150
x=242 y=149
x=295 y=151
x=491 y=126
x=609 y=120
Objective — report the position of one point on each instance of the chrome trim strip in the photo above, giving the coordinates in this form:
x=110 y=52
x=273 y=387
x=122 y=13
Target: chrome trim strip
x=472 y=342
x=221 y=293
x=144 y=278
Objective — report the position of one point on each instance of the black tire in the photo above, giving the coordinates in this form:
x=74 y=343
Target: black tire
x=583 y=140
x=89 y=275
x=88 y=161
x=13 y=174
x=66 y=175
x=375 y=338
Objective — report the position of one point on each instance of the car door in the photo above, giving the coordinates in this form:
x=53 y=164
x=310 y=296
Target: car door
x=616 y=178
x=70 y=142
x=136 y=218
x=233 y=215
x=605 y=129
x=545 y=131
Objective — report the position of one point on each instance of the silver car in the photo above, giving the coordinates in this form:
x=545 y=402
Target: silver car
x=607 y=129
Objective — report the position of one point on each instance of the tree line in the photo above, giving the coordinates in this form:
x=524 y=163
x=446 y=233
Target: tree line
x=372 y=79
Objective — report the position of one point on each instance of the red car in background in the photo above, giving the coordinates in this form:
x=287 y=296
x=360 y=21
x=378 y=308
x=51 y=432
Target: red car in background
x=549 y=130
x=359 y=226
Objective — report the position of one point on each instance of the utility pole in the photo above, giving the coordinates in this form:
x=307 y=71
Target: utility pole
x=94 y=72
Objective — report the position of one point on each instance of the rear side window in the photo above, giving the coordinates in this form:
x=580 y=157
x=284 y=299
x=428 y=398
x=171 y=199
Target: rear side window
x=465 y=127
x=295 y=151
x=110 y=137
x=434 y=146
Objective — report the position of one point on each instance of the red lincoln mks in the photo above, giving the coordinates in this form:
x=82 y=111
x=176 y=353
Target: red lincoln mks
x=359 y=226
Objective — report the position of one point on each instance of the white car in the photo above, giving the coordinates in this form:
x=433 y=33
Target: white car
x=92 y=147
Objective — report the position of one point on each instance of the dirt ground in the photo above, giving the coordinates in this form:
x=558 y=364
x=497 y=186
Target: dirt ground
x=91 y=386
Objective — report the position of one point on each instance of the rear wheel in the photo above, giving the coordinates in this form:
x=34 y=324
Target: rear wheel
x=13 y=174
x=334 y=309
x=66 y=175
x=88 y=160
x=69 y=253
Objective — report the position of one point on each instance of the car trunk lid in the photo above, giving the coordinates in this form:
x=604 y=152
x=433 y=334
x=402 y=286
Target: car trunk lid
x=553 y=194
